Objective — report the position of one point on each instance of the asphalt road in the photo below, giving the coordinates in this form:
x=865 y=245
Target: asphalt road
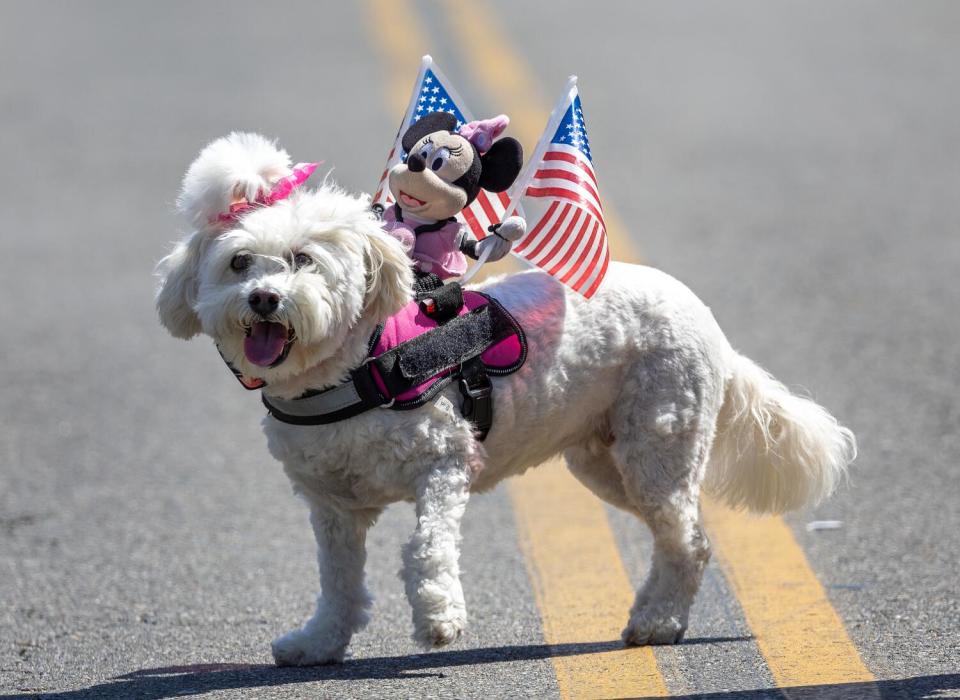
x=796 y=164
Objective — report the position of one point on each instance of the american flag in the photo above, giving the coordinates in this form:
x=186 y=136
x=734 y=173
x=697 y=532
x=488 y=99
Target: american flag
x=433 y=93
x=569 y=241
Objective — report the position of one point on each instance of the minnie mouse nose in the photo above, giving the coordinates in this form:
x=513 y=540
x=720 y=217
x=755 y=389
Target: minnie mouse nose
x=416 y=164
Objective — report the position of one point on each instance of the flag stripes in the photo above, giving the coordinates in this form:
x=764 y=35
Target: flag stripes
x=569 y=242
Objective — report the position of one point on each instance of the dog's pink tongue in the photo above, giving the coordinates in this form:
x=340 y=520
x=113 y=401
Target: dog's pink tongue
x=265 y=343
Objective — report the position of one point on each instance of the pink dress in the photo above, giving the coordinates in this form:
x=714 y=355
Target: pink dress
x=433 y=247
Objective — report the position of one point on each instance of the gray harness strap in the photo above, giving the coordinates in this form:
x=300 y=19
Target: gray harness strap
x=325 y=403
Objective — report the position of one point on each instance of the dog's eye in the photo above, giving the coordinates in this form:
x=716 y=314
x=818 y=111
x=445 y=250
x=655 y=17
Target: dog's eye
x=240 y=262
x=301 y=260
x=439 y=158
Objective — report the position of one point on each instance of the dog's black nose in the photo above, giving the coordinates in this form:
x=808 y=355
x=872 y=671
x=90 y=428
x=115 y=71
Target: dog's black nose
x=263 y=301
x=416 y=164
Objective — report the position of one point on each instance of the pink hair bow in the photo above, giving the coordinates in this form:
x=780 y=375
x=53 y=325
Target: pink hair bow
x=283 y=188
x=482 y=132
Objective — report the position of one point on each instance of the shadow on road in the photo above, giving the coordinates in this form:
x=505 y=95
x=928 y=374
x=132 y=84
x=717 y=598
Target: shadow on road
x=195 y=679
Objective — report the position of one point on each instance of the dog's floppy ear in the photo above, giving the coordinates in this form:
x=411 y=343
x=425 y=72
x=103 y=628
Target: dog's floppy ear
x=435 y=121
x=178 y=287
x=389 y=275
x=501 y=164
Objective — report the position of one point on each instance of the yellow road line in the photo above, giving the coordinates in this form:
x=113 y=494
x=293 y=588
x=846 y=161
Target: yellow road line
x=497 y=67
x=401 y=44
x=564 y=530
x=799 y=633
x=507 y=77
x=581 y=588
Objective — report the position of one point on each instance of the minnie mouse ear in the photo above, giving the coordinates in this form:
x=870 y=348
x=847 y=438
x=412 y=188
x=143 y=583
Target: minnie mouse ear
x=501 y=164
x=238 y=167
x=435 y=121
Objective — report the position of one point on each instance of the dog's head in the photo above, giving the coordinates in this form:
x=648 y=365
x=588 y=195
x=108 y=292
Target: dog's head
x=278 y=283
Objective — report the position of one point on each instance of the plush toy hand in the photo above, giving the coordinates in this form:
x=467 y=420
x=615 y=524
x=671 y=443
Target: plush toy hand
x=498 y=247
x=503 y=237
x=512 y=229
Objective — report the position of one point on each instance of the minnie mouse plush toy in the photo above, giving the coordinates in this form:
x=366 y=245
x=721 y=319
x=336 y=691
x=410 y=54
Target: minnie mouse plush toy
x=444 y=172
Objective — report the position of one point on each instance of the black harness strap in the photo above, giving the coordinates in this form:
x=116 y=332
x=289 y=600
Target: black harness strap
x=444 y=354
x=477 y=405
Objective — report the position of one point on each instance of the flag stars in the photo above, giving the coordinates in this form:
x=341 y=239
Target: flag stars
x=433 y=97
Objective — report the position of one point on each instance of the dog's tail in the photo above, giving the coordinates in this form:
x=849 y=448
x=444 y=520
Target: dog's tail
x=774 y=451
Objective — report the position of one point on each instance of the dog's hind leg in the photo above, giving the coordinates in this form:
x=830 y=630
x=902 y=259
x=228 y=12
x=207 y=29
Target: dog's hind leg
x=343 y=605
x=594 y=466
x=661 y=445
x=659 y=613
x=431 y=568
x=681 y=551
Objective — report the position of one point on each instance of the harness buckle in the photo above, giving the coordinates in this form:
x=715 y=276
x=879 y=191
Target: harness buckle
x=441 y=303
x=477 y=390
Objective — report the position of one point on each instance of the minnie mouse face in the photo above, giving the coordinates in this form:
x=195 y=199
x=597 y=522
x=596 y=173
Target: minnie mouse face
x=444 y=172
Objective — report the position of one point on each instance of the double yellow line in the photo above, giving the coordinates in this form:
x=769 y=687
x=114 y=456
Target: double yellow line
x=582 y=590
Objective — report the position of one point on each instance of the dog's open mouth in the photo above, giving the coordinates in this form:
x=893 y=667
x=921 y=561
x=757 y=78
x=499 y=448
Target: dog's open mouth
x=267 y=343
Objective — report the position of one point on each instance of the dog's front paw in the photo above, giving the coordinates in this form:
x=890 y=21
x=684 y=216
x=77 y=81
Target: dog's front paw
x=440 y=630
x=651 y=625
x=306 y=648
x=442 y=618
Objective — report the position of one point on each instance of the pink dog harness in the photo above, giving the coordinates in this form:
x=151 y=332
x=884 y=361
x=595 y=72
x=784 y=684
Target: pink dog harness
x=412 y=358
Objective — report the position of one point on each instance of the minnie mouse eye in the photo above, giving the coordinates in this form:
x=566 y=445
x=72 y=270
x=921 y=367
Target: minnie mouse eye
x=439 y=158
x=425 y=152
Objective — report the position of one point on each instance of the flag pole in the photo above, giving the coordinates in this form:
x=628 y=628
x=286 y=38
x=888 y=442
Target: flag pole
x=516 y=191
x=519 y=187
x=426 y=62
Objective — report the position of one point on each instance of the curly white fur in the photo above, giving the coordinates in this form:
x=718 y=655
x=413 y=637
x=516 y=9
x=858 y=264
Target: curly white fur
x=238 y=165
x=774 y=451
x=631 y=387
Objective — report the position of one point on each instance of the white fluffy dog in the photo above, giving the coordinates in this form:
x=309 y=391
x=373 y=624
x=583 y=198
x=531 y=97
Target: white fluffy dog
x=638 y=389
